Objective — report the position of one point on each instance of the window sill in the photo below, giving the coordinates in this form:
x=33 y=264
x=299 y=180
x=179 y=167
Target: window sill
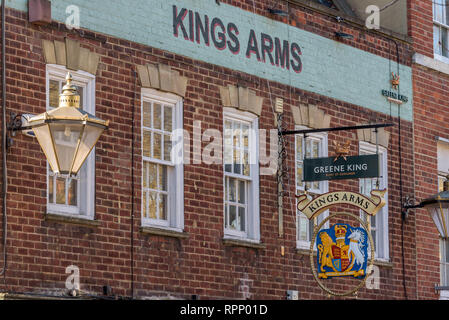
x=444 y=294
x=85 y=222
x=164 y=232
x=228 y=242
x=431 y=63
x=383 y=263
x=305 y=252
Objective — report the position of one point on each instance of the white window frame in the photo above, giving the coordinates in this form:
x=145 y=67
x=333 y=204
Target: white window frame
x=324 y=185
x=444 y=265
x=369 y=148
x=442 y=153
x=441 y=25
x=252 y=232
x=175 y=212
x=442 y=148
x=86 y=186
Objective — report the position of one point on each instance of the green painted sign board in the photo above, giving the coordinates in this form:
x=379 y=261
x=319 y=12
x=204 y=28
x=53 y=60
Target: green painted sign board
x=334 y=168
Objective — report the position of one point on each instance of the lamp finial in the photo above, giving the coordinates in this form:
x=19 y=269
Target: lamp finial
x=69 y=96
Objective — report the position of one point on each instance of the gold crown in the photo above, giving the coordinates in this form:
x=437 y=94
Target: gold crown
x=340 y=231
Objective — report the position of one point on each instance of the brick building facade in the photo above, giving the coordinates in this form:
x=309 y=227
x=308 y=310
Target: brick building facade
x=132 y=62
x=431 y=136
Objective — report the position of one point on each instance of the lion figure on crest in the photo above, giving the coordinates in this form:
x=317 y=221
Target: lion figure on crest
x=325 y=251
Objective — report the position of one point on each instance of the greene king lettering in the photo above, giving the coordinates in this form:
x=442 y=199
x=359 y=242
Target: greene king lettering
x=196 y=27
x=341 y=168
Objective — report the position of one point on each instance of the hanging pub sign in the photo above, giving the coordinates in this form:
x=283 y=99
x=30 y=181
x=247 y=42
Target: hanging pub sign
x=342 y=250
x=348 y=167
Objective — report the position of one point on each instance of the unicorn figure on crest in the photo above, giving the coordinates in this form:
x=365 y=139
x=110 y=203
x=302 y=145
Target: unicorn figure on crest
x=356 y=245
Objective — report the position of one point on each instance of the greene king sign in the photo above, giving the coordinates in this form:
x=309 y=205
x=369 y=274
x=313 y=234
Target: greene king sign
x=365 y=166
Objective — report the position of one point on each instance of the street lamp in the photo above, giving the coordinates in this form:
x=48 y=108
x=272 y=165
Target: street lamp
x=438 y=208
x=67 y=134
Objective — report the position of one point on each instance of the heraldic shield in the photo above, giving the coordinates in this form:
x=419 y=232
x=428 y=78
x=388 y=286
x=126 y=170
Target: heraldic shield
x=342 y=251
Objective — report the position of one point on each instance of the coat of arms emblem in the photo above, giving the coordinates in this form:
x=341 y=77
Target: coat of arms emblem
x=342 y=251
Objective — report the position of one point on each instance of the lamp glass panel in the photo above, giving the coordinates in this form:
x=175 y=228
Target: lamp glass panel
x=65 y=136
x=88 y=140
x=43 y=136
x=436 y=214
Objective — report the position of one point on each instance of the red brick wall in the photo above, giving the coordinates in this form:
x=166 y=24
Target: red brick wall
x=431 y=119
x=431 y=115
x=420 y=26
x=40 y=250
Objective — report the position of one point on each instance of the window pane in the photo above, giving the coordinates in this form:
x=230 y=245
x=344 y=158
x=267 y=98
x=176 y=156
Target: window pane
x=152 y=174
x=168 y=126
x=144 y=204
x=299 y=148
x=237 y=162
x=145 y=174
x=444 y=42
x=246 y=167
x=446 y=12
x=81 y=94
x=146 y=144
x=446 y=246
x=73 y=191
x=226 y=216
x=242 y=218
x=54 y=94
x=167 y=147
x=310 y=231
x=228 y=153
x=60 y=191
x=236 y=134
x=162 y=183
x=146 y=114
x=438 y=10
x=436 y=40
x=157 y=113
x=242 y=191
x=245 y=133
x=152 y=200
x=232 y=217
x=303 y=225
x=315 y=149
x=309 y=147
x=163 y=206
x=157 y=144
x=50 y=189
x=232 y=190
x=446 y=275
x=299 y=176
